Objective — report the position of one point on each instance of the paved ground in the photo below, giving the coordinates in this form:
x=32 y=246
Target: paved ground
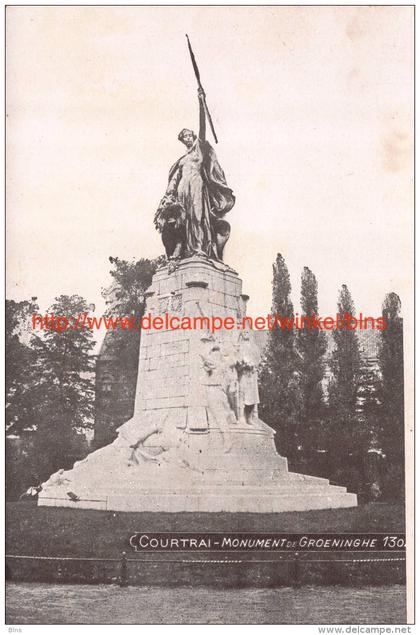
x=32 y=603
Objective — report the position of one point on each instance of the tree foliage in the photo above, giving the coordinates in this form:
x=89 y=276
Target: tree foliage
x=311 y=346
x=345 y=364
x=132 y=280
x=19 y=367
x=391 y=362
x=52 y=402
x=279 y=377
x=346 y=373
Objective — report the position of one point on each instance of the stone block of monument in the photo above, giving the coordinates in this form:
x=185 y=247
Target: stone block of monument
x=195 y=442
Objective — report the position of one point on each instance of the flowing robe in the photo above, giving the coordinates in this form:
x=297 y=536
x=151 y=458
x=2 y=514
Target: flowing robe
x=198 y=194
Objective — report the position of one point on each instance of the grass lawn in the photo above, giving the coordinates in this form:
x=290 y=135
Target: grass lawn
x=47 y=531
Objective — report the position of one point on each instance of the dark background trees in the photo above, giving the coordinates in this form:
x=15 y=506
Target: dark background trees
x=311 y=345
x=50 y=406
x=343 y=422
x=50 y=383
x=368 y=451
x=391 y=363
x=336 y=401
x=20 y=359
x=64 y=389
x=279 y=375
x=19 y=404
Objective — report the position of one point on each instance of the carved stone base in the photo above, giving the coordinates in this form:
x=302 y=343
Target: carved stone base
x=208 y=476
x=189 y=446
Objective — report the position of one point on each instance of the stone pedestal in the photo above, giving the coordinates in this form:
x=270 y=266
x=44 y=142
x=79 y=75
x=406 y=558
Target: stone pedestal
x=189 y=446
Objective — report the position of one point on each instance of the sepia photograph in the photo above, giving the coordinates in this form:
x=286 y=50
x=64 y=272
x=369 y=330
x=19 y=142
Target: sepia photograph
x=209 y=318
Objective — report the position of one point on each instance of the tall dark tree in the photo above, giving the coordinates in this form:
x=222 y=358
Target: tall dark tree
x=391 y=362
x=64 y=389
x=369 y=452
x=346 y=360
x=49 y=392
x=19 y=364
x=20 y=411
x=311 y=345
x=279 y=386
x=132 y=280
x=346 y=369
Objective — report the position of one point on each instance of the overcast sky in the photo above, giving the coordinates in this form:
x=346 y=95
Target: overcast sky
x=313 y=109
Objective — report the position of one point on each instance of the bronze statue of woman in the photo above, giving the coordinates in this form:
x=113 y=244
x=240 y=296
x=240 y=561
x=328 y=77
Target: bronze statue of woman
x=190 y=215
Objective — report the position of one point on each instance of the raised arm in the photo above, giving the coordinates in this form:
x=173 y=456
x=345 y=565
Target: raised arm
x=202 y=129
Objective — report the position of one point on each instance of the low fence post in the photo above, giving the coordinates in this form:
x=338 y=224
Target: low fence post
x=123 y=570
x=296 y=570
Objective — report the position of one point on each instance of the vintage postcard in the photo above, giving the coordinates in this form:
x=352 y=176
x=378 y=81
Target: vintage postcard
x=209 y=315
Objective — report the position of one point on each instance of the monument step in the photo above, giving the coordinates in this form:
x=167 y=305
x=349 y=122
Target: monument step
x=203 y=502
x=206 y=484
